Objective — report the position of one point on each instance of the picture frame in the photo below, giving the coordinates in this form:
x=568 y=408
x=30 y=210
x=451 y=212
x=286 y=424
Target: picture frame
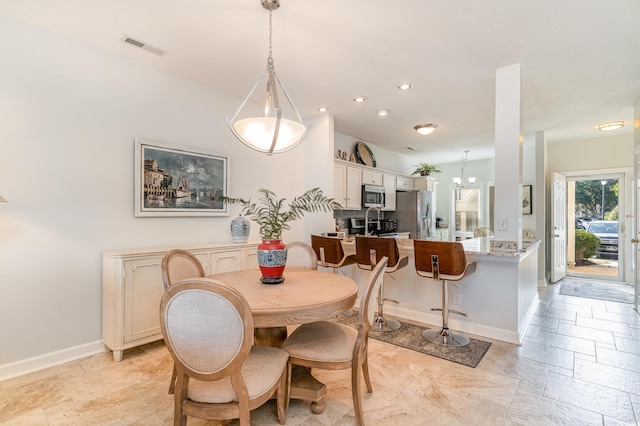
x=527 y=200
x=178 y=181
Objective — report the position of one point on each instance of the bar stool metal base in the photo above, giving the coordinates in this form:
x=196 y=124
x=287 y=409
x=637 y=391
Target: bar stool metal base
x=445 y=337
x=385 y=324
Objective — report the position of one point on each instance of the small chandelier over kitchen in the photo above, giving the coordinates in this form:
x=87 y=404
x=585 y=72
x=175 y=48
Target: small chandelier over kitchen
x=271 y=133
x=459 y=181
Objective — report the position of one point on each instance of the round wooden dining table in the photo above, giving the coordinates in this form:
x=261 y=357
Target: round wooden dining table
x=306 y=295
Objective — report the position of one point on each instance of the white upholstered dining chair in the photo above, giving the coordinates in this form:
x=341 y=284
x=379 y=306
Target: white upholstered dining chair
x=332 y=346
x=177 y=265
x=208 y=329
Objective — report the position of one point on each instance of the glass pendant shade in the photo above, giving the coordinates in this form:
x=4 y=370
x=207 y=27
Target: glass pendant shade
x=271 y=133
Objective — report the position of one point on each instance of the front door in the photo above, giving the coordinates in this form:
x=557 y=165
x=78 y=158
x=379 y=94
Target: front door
x=558 y=235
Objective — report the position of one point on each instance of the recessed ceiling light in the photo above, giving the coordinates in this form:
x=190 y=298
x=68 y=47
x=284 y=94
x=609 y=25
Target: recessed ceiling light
x=323 y=109
x=405 y=86
x=425 y=129
x=612 y=125
x=382 y=112
x=360 y=99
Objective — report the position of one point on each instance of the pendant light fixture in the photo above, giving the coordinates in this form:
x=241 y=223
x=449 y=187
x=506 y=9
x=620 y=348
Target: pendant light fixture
x=271 y=133
x=459 y=181
x=3 y=200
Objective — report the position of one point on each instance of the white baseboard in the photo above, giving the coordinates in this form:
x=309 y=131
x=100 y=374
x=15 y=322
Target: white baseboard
x=40 y=362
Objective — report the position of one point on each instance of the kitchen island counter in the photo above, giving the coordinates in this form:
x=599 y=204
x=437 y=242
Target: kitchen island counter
x=499 y=298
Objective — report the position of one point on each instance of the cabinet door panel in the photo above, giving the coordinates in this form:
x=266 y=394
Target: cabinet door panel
x=143 y=291
x=225 y=261
x=354 y=188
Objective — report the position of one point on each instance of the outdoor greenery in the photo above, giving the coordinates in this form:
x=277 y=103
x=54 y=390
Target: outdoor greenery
x=273 y=217
x=586 y=245
x=589 y=198
x=425 y=169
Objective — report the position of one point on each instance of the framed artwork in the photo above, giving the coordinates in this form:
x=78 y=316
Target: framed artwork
x=173 y=180
x=527 y=201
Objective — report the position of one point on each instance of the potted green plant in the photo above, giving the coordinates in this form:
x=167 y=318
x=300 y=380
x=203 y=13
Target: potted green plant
x=425 y=169
x=274 y=216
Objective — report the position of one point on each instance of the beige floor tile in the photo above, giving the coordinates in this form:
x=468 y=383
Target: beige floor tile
x=584 y=374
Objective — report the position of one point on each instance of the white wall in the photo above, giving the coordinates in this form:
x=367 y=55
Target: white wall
x=70 y=114
x=591 y=154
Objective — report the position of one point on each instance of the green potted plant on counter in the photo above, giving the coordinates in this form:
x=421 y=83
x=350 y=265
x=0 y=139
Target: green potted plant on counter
x=425 y=169
x=274 y=216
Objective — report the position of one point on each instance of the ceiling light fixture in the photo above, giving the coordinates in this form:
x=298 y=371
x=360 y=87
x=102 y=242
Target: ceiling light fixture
x=3 y=200
x=271 y=133
x=405 y=86
x=382 y=112
x=459 y=181
x=612 y=125
x=359 y=99
x=323 y=109
x=425 y=129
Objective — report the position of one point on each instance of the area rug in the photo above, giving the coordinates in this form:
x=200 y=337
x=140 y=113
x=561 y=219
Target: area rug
x=612 y=292
x=409 y=336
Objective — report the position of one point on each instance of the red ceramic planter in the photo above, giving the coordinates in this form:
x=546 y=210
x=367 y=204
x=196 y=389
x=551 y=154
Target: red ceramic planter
x=272 y=257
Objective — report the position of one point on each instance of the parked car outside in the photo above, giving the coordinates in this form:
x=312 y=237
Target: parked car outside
x=607 y=231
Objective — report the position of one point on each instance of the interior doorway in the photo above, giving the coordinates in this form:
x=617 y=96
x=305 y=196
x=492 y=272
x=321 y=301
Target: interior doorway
x=593 y=227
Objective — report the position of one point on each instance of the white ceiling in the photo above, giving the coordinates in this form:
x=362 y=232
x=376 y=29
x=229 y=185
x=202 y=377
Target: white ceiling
x=580 y=59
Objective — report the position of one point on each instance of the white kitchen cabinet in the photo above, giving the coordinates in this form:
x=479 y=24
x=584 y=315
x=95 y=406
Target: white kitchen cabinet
x=340 y=184
x=389 y=183
x=404 y=184
x=442 y=234
x=369 y=177
x=425 y=182
x=354 y=188
x=132 y=289
x=347 y=186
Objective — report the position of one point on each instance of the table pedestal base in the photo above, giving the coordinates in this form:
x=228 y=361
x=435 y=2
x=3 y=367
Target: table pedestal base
x=271 y=336
x=306 y=387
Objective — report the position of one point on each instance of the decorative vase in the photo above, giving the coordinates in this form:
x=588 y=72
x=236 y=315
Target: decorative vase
x=272 y=256
x=240 y=227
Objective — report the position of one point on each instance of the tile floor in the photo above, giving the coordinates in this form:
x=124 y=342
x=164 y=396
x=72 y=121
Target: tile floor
x=579 y=365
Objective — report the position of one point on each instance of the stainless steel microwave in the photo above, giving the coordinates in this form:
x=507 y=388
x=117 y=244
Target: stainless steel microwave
x=372 y=196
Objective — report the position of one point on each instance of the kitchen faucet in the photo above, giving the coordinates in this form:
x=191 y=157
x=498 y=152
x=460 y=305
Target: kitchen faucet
x=366 y=220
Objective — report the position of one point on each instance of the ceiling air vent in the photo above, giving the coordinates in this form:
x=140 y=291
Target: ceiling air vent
x=142 y=45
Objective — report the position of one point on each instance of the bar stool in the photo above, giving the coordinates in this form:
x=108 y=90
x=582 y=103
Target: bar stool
x=446 y=262
x=330 y=253
x=369 y=251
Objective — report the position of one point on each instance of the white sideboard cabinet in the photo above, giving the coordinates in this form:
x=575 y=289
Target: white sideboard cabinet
x=132 y=289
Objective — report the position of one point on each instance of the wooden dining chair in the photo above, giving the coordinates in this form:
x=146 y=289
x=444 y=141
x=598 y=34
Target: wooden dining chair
x=208 y=329
x=177 y=265
x=332 y=346
x=301 y=255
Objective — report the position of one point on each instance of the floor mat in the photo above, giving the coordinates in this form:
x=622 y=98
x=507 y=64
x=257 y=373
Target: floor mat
x=409 y=336
x=612 y=292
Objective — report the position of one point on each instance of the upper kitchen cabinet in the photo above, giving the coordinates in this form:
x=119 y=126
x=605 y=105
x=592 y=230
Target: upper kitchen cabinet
x=389 y=183
x=404 y=184
x=347 y=182
x=369 y=177
x=425 y=182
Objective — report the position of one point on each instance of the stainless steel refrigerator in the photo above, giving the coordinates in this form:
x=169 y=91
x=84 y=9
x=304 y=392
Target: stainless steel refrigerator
x=414 y=214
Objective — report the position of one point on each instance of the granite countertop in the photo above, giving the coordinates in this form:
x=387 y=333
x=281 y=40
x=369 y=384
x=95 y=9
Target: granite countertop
x=484 y=246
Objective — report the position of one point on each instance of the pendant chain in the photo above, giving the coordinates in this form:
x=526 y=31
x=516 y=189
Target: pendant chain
x=270 y=59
